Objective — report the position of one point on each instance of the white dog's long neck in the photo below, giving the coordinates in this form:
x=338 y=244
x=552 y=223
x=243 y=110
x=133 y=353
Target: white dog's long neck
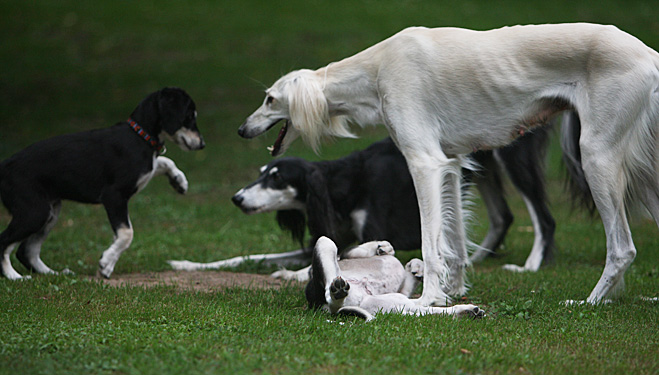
x=350 y=87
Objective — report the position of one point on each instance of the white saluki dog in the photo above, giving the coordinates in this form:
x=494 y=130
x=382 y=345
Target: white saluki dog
x=369 y=280
x=445 y=92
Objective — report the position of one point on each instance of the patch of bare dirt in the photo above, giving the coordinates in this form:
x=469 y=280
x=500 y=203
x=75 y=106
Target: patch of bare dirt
x=206 y=281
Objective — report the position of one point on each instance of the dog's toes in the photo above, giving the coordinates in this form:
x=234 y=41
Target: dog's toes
x=385 y=248
x=67 y=271
x=415 y=267
x=339 y=288
x=179 y=183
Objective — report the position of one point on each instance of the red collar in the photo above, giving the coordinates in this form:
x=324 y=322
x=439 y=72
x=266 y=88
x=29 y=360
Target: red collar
x=157 y=145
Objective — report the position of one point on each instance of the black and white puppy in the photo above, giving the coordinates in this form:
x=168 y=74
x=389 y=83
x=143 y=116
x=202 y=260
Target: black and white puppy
x=104 y=166
x=369 y=280
x=369 y=195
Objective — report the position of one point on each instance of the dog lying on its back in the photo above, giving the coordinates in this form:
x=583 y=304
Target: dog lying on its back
x=104 y=166
x=369 y=280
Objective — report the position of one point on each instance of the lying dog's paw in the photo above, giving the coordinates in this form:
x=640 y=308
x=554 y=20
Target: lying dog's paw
x=415 y=267
x=385 y=248
x=179 y=182
x=182 y=265
x=339 y=288
x=469 y=311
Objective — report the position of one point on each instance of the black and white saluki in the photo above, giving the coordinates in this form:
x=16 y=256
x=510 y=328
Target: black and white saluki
x=369 y=195
x=369 y=280
x=443 y=93
x=105 y=166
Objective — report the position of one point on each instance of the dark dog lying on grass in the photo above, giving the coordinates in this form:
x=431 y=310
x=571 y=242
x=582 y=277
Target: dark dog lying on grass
x=369 y=280
x=104 y=166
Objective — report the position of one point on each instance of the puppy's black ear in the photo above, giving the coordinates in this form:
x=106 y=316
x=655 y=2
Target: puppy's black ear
x=294 y=222
x=147 y=112
x=176 y=110
x=320 y=210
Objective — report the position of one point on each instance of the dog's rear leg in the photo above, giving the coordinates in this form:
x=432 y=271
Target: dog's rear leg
x=28 y=219
x=117 y=210
x=488 y=182
x=527 y=175
x=603 y=174
x=30 y=250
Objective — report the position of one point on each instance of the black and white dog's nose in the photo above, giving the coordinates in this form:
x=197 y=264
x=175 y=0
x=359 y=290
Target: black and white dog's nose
x=237 y=199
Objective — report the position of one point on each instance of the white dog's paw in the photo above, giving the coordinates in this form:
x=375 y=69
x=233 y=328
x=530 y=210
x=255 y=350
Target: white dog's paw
x=385 y=248
x=284 y=274
x=182 y=265
x=66 y=271
x=339 y=288
x=178 y=181
x=513 y=268
x=415 y=267
x=468 y=311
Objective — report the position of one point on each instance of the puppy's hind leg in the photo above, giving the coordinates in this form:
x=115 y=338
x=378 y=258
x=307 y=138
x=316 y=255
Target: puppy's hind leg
x=369 y=249
x=28 y=219
x=30 y=250
x=117 y=210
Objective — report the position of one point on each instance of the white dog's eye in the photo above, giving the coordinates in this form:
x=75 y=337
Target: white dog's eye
x=269 y=100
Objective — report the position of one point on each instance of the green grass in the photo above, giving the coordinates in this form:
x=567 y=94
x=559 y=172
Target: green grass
x=69 y=66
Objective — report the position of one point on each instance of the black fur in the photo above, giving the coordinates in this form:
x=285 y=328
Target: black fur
x=377 y=180
x=97 y=166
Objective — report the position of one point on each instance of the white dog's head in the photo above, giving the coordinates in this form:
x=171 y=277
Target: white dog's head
x=298 y=99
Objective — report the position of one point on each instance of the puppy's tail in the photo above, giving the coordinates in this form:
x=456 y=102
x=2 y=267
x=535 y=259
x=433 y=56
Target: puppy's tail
x=356 y=311
x=576 y=181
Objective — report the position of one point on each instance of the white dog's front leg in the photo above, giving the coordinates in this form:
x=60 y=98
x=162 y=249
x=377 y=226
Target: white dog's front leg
x=437 y=183
x=368 y=250
x=176 y=177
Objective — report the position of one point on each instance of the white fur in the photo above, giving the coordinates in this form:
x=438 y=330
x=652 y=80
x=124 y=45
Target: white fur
x=257 y=199
x=122 y=240
x=446 y=92
x=376 y=283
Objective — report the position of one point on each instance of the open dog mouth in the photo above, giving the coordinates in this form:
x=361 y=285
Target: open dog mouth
x=275 y=149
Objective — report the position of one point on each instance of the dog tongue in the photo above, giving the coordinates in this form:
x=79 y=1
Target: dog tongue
x=274 y=149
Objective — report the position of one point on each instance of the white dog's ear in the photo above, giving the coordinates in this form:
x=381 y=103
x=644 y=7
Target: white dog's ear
x=308 y=109
x=309 y=112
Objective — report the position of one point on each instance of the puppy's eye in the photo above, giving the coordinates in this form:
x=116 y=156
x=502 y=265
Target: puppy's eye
x=269 y=100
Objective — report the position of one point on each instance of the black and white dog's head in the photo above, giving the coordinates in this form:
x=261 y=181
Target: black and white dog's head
x=280 y=186
x=174 y=115
x=292 y=187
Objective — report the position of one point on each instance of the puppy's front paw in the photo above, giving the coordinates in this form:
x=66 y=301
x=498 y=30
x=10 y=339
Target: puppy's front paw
x=339 y=288
x=385 y=248
x=179 y=182
x=415 y=267
x=469 y=311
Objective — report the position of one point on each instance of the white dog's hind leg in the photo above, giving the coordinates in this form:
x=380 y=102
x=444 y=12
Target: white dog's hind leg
x=602 y=172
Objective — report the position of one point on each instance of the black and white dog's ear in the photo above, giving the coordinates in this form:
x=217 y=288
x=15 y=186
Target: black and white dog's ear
x=294 y=222
x=176 y=110
x=320 y=210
